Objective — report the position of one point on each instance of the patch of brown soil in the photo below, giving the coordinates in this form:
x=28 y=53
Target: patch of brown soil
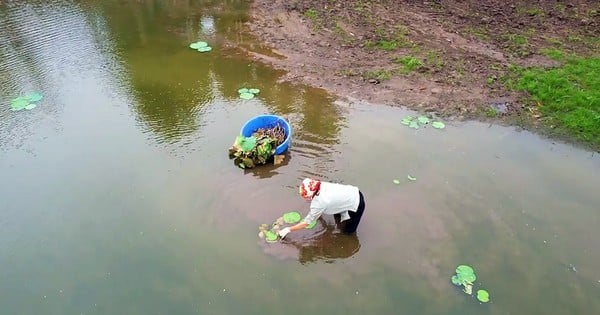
x=358 y=48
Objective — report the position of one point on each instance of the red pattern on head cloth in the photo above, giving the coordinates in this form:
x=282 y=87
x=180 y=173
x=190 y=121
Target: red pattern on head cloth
x=309 y=187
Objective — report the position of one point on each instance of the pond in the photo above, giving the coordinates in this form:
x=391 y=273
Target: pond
x=118 y=196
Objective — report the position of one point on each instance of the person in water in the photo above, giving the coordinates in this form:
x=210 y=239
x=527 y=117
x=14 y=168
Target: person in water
x=345 y=201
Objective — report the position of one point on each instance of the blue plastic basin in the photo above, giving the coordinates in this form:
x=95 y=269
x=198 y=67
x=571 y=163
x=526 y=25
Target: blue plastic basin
x=268 y=121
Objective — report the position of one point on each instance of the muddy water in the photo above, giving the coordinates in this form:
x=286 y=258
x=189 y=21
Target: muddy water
x=117 y=196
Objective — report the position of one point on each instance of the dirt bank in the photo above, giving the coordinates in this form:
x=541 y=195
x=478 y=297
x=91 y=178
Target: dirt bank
x=450 y=57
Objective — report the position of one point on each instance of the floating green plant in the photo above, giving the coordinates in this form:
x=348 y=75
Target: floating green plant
x=201 y=46
x=248 y=94
x=291 y=217
x=423 y=120
x=465 y=277
x=483 y=296
x=25 y=102
x=246 y=143
x=438 y=125
x=270 y=236
x=417 y=122
x=466 y=273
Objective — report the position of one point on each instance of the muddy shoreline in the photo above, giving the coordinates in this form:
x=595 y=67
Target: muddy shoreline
x=362 y=50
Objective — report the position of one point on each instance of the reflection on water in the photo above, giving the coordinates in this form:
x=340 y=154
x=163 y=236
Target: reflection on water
x=324 y=243
x=118 y=197
x=329 y=246
x=174 y=85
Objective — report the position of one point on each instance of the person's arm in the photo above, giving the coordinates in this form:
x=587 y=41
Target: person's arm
x=298 y=226
x=313 y=214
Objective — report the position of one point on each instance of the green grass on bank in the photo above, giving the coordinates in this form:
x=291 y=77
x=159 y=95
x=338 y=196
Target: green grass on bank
x=568 y=96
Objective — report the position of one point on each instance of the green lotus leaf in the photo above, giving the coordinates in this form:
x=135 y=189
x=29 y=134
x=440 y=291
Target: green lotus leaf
x=483 y=296
x=246 y=96
x=243 y=90
x=30 y=106
x=464 y=269
x=466 y=273
x=407 y=120
x=291 y=217
x=270 y=236
x=414 y=124
x=469 y=278
x=438 y=125
x=198 y=45
x=205 y=49
x=411 y=178
x=456 y=281
x=248 y=143
x=254 y=91
x=396 y=181
x=312 y=224
x=423 y=120
x=34 y=97
x=19 y=103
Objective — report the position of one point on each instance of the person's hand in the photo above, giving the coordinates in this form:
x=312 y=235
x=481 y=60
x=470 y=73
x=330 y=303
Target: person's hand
x=283 y=232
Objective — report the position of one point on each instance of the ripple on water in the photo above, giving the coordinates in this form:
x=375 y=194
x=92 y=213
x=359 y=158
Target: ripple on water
x=48 y=47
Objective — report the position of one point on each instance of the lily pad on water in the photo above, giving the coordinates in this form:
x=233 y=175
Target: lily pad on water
x=246 y=96
x=19 y=103
x=416 y=122
x=204 y=49
x=456 y=281
x=407 y=120
x=312 y=224
x=483 y=296
x=198 y=45
x=246 y=93
x=25 y=102
x=438 y=125
x=396 y=181
x=291 y=217
x=466 y=273
x=34 y=97
x=270 y=236
x=411 y=178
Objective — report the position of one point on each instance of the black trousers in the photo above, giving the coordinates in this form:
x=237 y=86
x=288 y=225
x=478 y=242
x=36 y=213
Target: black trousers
x=352 y=223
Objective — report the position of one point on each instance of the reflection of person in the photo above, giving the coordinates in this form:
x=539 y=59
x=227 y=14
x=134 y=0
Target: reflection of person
x=329 y=246
x=329 y=198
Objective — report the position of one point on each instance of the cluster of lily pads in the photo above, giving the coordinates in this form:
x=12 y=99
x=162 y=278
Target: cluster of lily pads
x=465 y=276
x=248 y=94
x=26 y=102
x=269 y=233
x=417 y=122
x=201 y=46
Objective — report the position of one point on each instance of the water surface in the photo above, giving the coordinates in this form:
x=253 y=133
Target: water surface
x=118 y=197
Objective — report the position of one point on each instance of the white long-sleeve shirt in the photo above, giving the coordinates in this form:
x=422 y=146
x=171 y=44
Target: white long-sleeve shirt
x=333 y=199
